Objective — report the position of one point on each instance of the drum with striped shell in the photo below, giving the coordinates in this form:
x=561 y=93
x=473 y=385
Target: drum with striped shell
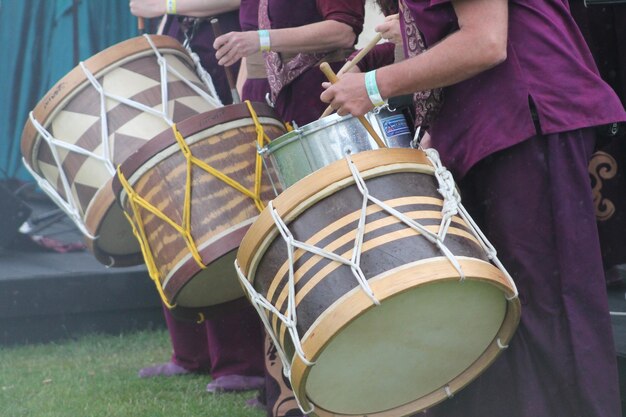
x=191 y=193
x=370 y=270
x=98 y=114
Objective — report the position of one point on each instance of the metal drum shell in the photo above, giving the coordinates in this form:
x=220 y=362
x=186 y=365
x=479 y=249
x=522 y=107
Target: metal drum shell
x=308 y=148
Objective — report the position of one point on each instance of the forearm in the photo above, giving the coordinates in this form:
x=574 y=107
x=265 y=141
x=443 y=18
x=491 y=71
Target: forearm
x=458 y=57
x=315 y=37
x=197 y=8
x=200 y=8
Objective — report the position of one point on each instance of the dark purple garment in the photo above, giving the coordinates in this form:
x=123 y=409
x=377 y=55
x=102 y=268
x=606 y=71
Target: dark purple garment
x=531 y=195
x=202 y=44
x=533 y=202
x=379 y=56
x=547 y=62
x=300 y=100
x=249 y=15
x=228 y=344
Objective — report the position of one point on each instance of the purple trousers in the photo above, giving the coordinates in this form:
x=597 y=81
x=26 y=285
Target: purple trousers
x=228 y=344
x=533 y=202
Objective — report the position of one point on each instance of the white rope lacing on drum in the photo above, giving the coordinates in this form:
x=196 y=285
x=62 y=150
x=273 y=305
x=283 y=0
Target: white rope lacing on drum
x=436 y=239
x=203 y=74
x=449 y=190
x=262 y=306
x=69 y=205
x=211 y=98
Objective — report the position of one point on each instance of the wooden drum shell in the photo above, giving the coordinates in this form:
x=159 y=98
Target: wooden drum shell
x=322 y=209
x=225 y=139
x=70 y=111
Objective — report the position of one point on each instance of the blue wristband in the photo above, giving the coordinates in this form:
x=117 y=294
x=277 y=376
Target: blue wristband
x=372 y=89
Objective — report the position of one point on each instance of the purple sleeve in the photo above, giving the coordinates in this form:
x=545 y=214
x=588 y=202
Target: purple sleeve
x=381 y=55
x=350 y=12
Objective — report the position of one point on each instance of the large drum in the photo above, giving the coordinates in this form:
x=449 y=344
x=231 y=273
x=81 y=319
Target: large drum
x=315 y=145
x=191 y=193
x=97 y=115
x=381 y=295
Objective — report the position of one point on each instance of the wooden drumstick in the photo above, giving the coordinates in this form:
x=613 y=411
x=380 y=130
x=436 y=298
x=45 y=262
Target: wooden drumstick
x=141 y=27
x=217 y=31
x=328 y=72
x=352 y=63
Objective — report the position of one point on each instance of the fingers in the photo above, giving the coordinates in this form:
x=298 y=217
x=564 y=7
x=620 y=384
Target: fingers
x=225 y=51
x=233 y=46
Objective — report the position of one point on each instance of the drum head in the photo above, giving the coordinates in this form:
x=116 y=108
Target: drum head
x=411 y=345
x=216 y=284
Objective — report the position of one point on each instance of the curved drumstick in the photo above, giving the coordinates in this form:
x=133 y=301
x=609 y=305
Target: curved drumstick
x=217 y=31
x=352 y=63
x=328 y=72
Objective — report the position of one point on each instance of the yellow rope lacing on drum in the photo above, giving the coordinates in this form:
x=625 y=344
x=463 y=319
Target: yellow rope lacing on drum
x=137 y=202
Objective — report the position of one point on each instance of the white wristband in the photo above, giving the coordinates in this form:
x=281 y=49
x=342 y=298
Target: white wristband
x=170 y=6
x=264 y=40
x=372 y=89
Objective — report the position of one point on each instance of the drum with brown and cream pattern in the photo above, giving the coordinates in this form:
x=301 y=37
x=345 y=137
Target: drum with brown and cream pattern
x=98 y=114
x=159 y=188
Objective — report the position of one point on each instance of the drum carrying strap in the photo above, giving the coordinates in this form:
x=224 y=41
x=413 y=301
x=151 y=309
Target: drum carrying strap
x=137 y=202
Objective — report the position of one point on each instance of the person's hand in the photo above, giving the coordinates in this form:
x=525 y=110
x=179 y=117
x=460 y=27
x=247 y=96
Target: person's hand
x=348 y=95
x=147 y=8
x=233 y=46
x=390 y=29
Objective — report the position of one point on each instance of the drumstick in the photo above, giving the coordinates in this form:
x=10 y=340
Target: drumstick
x=328 y=72
x=141 y=27
x=217 y=31
x=350 y=64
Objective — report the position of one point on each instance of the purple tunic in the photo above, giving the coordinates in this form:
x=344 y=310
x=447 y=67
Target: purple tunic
x=202 y=44
x=548 y=63
x=530 y=194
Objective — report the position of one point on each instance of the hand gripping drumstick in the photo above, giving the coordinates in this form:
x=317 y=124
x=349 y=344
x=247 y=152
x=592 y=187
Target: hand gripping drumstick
x=217 y=31
x=328 y=72
x=352 y=63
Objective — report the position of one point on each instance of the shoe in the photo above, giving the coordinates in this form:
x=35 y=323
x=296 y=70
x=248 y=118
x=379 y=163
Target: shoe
x=256 y=404
x=234 y=383
x=164 y=369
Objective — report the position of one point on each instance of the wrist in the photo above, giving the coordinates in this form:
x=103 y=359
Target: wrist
x=371 y=86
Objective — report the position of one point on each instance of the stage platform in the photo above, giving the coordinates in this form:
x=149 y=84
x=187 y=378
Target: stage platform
x=49 y=296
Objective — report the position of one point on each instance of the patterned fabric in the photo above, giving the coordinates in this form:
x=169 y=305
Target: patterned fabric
x=427 y=103
x=279 y=73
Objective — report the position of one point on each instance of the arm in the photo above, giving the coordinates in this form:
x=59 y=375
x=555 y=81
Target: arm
x=196 y=8
x=479 y=44
x=315 y=37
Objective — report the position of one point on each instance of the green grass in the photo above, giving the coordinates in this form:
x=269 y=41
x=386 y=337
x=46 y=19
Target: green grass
x=96 y=376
